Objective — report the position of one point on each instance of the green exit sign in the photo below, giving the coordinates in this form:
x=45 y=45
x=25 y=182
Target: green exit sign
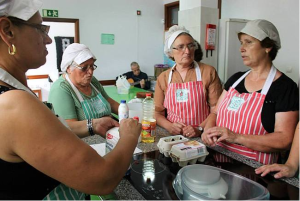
x=50 y=13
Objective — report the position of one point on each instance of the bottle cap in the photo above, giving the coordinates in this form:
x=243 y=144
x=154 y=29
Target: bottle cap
x=123 y=101
x=136 y=118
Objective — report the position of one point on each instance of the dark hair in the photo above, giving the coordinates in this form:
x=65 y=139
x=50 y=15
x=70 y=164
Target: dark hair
x=198 y=55
x=16 y=21
x=268 y=43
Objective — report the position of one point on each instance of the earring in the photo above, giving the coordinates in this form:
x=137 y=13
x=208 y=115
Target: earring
x=14 y=50
x=267 y=51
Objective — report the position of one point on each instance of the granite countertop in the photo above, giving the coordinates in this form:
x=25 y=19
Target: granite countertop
x=123 y=189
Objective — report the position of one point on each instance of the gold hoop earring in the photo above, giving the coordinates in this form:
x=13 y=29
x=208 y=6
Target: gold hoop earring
x=14 y=50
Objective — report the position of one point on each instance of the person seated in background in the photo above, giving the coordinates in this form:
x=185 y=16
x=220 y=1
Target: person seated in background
x=136 y=77
x=189 y=90
x=40 y=158
x=258 y=110
x=78 y=97
x=291 y=166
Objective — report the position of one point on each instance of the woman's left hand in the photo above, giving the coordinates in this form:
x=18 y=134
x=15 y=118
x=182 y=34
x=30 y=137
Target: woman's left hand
x=103 y=124
x=283 y=170
x=222 y=133
x=189 y=131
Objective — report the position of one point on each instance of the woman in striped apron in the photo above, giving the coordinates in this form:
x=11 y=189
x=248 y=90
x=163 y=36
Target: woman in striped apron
x=258 y=110
x=39 y=157
x=84 y=99
x=188 y=91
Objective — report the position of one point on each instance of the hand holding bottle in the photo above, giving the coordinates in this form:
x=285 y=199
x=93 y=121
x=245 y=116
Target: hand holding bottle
x=130 y=128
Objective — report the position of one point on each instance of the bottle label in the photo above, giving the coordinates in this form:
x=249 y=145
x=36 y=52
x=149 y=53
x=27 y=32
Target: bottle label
x=148 y=128
x=123 y=116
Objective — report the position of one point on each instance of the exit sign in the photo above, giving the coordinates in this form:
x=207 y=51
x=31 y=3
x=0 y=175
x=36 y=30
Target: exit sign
x=50 y=13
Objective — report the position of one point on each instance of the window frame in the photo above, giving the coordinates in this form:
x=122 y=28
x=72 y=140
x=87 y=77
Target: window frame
x=168 y=13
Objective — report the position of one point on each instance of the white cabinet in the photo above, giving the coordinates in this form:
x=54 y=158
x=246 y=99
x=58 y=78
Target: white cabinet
x=229 y=56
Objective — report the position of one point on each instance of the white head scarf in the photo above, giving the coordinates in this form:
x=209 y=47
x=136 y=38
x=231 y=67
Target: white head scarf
x=76 y=52
x=22 y=9
x=261 y=29
x=171 y=35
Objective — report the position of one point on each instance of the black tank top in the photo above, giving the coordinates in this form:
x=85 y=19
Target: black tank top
x=21 y=181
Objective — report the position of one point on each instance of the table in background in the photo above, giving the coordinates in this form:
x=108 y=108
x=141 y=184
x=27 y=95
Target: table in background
x=112 y=92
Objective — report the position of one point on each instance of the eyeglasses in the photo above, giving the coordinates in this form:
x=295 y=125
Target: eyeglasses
x=182 y=48
x=85 y=68
x=41 y=27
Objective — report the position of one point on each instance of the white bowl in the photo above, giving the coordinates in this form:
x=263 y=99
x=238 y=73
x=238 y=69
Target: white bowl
x=203 y=182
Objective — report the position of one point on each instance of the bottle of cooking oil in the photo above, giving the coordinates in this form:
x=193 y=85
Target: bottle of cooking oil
x=148 y=123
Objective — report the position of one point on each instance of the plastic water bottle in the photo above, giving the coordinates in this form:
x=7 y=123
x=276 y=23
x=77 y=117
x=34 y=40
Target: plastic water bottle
x=123 y=110
x=148 y=123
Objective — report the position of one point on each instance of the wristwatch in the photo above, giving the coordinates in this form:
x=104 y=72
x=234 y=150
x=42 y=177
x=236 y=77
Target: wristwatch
x=201 y=129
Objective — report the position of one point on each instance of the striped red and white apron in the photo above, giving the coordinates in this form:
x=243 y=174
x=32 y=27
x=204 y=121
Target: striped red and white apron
x=186 y=102
x=241 y=113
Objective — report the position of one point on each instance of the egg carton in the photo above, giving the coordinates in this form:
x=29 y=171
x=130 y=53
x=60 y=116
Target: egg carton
x=165 y=143
x=188 y=153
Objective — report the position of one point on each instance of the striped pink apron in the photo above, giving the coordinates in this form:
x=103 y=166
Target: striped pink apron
x=241 y=113
x=186 y=102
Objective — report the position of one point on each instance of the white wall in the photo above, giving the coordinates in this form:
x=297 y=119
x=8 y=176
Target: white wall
x=190 y=4
x=195 y=20
x=169 y=1
x=137 y=38
x=285 y=16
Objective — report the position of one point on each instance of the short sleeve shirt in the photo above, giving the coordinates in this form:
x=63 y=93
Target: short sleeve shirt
x=283 y=96
x=65 y=101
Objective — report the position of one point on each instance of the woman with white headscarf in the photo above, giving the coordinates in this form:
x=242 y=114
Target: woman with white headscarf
x=40 y=158
x=187 y=92
x=78 y=97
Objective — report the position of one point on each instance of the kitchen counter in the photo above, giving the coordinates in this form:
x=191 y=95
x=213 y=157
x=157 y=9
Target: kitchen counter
x=126 y=191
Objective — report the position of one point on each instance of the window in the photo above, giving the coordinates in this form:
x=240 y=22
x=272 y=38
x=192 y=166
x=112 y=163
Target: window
x=171 y=14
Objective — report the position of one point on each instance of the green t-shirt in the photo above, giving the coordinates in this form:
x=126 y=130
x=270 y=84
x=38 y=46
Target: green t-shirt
x=65 y=101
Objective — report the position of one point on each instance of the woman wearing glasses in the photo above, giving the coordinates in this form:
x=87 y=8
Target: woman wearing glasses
x=187 y=92
x=39 y=157
x=84 y=99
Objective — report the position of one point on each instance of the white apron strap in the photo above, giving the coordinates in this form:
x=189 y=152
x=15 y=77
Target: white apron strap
x=197 y=68
x=9 y=79
x=269 y=80
x=170 y=74
x=76 y=90
x=267 y=84
x=240 y=79
x=198 y=71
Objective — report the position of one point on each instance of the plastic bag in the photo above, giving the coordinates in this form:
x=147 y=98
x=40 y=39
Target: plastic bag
x=122 y=85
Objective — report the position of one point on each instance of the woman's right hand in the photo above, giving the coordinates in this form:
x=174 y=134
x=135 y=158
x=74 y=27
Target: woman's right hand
x=207 y=140
x=130 y=127
x=176 y=128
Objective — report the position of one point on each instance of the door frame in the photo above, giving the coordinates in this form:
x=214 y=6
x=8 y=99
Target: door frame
x=66 y=20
